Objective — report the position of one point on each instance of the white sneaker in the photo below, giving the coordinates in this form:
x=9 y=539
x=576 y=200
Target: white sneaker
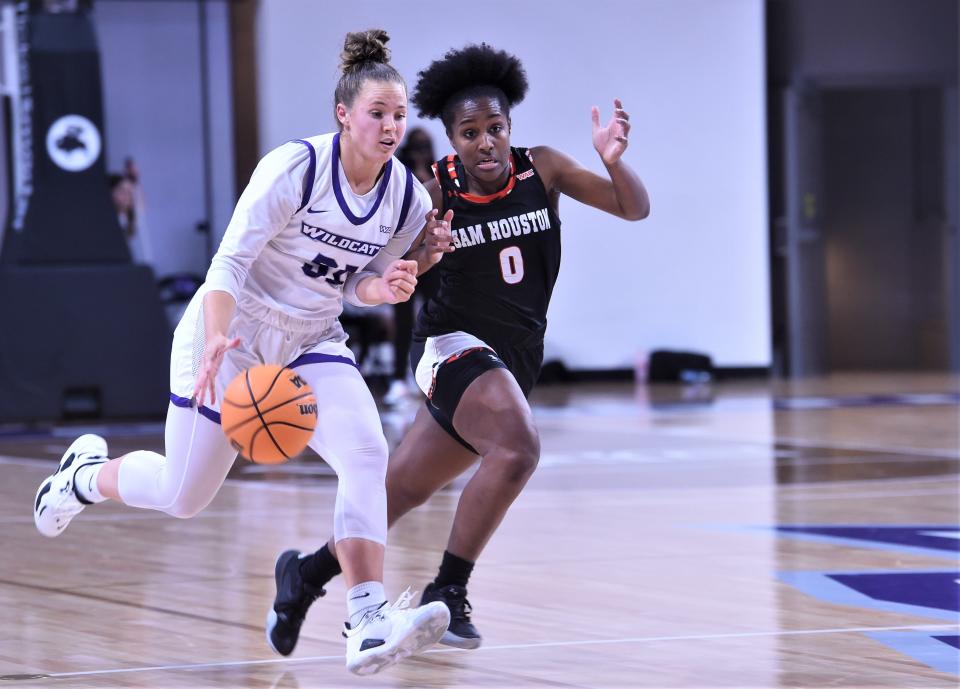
x=396 y=393
x=394 y=632
x=57 y=500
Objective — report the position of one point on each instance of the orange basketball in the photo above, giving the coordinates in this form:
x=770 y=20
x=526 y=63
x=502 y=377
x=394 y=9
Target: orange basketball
x=268 y=413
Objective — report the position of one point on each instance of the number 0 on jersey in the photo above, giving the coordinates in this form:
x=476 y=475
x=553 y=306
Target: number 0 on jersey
x=511 y=265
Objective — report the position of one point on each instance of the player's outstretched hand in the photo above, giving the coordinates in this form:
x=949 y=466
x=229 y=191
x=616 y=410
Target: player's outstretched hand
x=611 y=140
x=398 y=281
x=205 y=388
x=438 y=238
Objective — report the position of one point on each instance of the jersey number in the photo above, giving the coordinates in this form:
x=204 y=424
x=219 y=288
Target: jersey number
x=321 y=265
x=511 y=265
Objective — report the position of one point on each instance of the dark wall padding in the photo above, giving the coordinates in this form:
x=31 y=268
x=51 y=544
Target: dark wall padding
x=99 y=328
x=70 y=217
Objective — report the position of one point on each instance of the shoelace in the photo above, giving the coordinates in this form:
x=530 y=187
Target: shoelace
x=297 y=607
x=465 y=610
x=459 y=605
x=403 y=600
x=402 y=603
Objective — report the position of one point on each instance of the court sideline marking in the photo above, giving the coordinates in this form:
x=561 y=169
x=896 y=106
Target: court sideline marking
x=509 y=647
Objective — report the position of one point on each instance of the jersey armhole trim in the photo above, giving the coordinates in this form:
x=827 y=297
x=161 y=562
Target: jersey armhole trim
x=310 y=176
x=405 y=205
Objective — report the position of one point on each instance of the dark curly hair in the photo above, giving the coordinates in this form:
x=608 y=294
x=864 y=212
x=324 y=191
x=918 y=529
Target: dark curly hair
x=471 y=72
x=365 y=56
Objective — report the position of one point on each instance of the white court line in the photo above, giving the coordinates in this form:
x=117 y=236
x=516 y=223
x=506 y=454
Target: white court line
x=510 y=647
x=869 y=495
x=331 y=488
x=684 y=495
x=942 y=534
x=840 y=445
x=136 y=514
x=146 y=515
x=26 y=461
x=233 y=482
x=617 y=459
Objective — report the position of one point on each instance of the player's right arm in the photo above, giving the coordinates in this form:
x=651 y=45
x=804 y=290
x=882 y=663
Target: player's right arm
x=218 y=308
x=264 y=209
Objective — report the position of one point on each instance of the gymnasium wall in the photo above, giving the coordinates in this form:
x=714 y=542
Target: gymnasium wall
x=893 y=41
x=150 y=67
x=871 y=46
x=691 y=73
x=150 y=60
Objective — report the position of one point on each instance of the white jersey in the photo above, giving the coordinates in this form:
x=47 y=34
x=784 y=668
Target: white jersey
x=300 y=239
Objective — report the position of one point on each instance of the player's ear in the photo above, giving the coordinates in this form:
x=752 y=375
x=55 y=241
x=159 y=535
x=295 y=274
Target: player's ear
x=343 y=116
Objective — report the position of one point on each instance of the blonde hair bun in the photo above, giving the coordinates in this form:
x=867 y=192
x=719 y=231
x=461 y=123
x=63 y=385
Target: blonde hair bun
x=364 y=46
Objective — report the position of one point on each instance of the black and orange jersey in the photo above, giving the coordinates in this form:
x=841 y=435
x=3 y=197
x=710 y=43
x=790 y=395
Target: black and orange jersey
x=497 y=284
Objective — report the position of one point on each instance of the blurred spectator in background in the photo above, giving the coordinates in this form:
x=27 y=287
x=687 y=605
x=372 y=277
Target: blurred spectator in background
x=418 y=155
x=128 y=200
x=62 y=6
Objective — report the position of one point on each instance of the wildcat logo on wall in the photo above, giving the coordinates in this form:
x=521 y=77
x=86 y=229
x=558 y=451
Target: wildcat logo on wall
x=73 y=143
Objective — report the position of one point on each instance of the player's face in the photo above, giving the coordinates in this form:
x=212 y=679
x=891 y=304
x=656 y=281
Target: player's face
x=377 y=119
x=481 y=137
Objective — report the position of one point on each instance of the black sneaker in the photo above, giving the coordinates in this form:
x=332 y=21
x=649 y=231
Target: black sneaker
x=294 y=598
x=461 y=633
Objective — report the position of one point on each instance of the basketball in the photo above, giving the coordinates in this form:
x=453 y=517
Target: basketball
x=268 y=413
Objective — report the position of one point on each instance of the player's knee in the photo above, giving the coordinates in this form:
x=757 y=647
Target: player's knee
x=519 y=464
x=360 y=511
x=518 y=457
x=184 y=510
x=370 y=460
x=404 y=494
x=186 y=505
x=379 y=453
x=367 y=526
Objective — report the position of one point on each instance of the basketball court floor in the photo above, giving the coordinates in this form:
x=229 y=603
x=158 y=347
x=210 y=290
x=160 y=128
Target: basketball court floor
x=748 y=534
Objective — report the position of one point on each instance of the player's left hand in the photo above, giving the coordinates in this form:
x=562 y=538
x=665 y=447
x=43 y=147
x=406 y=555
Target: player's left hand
x=611 y=140
x=438 y=239
x=398 y=281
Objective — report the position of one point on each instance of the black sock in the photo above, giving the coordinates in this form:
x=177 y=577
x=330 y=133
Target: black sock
x=320 y=567
x=453 y=571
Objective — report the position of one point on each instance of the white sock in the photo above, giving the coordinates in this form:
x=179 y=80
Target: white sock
x=85 y=482
x=363 y=597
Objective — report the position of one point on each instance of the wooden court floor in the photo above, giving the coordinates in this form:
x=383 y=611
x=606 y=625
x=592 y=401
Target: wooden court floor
x=749 y=534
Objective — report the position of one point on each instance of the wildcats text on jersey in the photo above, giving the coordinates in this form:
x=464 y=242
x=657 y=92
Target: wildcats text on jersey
x=318 y=234
x=504 y=228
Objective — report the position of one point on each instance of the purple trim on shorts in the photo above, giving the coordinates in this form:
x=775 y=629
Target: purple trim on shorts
x=187 y=403
x=314 y=358
x=181 y=401
x=339 y=193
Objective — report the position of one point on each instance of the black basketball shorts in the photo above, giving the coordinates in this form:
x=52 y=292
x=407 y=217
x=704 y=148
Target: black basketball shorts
x=444 y=367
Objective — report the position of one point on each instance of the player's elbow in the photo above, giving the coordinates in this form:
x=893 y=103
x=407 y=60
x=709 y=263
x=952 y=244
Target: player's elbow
x=637 y=213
